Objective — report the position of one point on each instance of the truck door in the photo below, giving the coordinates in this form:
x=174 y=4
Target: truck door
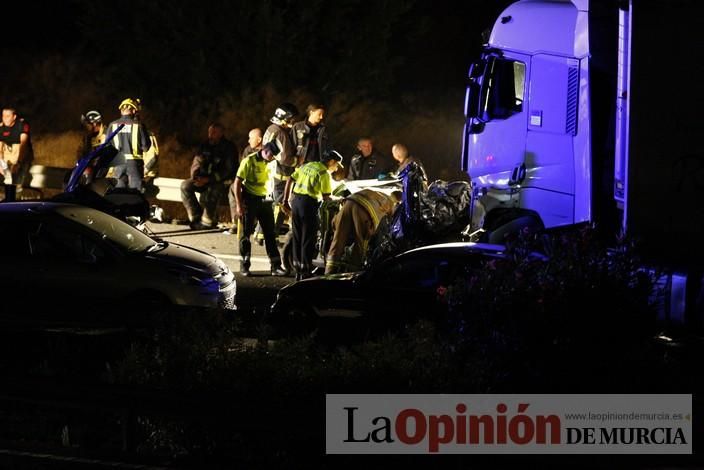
x=496 y=120
x=552 y=112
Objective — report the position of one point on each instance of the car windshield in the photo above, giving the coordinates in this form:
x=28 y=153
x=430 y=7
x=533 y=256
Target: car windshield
x=109 y=228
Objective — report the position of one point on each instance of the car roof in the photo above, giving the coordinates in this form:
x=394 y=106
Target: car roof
x=459 y=248
x=35 y=206
x=464 y=249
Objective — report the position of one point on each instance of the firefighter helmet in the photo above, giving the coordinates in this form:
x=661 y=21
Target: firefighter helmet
x=284 y=114
x=91 y=117
x=133 y=103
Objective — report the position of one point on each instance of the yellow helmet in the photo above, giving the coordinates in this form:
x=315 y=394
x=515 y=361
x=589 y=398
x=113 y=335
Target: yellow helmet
x=135 y=104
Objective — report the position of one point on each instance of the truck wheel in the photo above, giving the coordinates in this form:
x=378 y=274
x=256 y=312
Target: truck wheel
x=509 y=223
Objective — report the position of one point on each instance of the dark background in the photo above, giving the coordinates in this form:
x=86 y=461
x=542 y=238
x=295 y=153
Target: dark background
x=392 y=69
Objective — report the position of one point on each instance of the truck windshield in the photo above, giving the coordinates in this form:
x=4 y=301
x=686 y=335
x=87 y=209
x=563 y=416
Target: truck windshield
x=495 y=89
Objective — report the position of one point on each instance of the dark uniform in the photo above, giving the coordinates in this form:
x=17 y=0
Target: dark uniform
x=90 y=142
x=131 y=143
x=311 y=141
x=366 y=168
x=312 y=181
x=359 y=218
x=13 y=153
x=285 y=165
x=254 y=173
x=217 y=162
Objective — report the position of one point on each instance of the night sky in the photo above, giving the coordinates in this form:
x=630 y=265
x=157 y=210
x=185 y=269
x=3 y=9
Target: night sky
x=394 y=69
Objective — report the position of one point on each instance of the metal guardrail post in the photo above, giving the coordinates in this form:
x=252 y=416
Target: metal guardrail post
x=10 y=193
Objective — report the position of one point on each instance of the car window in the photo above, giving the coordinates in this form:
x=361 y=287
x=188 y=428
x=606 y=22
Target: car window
x=61 y=241
x=108 y=228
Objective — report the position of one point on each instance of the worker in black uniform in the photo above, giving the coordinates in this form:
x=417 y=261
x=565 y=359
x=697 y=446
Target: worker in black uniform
x=213 y=165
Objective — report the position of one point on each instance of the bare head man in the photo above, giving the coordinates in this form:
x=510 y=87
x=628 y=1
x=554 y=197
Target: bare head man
x=400 y=152
x=316 y=114
x=365 y=146
x=9 y=116
x=254 y=138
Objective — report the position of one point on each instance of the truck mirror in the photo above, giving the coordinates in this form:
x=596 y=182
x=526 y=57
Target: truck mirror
x=471 y=100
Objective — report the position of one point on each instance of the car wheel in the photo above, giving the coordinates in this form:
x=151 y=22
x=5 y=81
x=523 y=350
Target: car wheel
x=149 y=308
x=298 y=320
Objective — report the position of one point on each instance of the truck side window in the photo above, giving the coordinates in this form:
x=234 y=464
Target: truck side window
x=502 y=89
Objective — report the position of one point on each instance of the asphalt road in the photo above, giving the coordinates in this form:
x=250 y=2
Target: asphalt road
x=256 y=292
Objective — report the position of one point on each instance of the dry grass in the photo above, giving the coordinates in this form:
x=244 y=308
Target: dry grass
x=432 y=134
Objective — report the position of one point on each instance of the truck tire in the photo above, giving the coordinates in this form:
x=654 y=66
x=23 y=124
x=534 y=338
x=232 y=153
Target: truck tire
x=502 y=223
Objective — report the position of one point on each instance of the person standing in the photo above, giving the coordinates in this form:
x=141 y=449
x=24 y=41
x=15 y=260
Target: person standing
x=286 y=161
x=94 y=135
x=16 y=151
x=309 y=183
x=310 y=136
x=358 y=219
x=131 y=142
x=254 y=144
x=250 y=191
x=368 y=163
x=213 y=164
x=401 y=155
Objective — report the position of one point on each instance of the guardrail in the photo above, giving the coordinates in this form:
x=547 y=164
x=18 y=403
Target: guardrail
x=49 y=177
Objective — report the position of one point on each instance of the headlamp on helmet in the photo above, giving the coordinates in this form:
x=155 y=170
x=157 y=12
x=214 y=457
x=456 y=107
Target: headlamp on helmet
x=132 y=103
x=91 y=117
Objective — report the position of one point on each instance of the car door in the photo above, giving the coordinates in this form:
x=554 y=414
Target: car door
x=407 y=287
x=16 y=286
x=73 y=269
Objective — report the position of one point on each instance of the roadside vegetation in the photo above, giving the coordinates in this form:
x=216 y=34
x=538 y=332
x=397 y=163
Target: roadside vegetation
x=580 y=321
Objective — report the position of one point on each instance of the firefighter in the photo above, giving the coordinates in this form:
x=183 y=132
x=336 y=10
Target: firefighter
x=213 y=165
x=94 y=136
x=131 y=143
x=358 y=218
x=250 y=191
x=286 y=161
x=310 y=183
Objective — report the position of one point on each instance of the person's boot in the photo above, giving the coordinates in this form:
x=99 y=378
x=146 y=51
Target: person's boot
x=244 y=269
x=278 y=271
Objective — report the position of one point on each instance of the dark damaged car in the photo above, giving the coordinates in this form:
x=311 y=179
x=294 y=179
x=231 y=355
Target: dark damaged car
x=404 y=288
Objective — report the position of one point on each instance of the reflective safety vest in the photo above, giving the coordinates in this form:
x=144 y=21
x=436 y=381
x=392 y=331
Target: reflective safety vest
x=376 y=203
x=312 y=179
x=132 y=140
